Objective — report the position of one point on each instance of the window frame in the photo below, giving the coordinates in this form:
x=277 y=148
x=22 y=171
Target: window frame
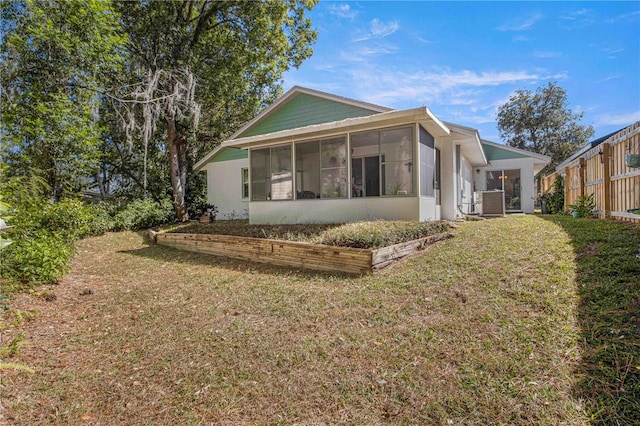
x=382 y=161
x=245 y=184
x=268 y=180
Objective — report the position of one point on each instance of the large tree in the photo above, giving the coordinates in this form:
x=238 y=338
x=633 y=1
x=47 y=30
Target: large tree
x=196 y=67
x=54 y=57
x=542 y=122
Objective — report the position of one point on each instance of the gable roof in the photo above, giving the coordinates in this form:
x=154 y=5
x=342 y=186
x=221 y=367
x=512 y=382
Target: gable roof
x=496 y=151
x=421 y=115
x=221 y=153
x=312 y=113
x=301 y=107
x=469 y=140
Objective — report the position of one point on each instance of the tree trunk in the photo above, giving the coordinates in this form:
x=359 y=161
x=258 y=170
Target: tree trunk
x=177 y=145
x=100 y=182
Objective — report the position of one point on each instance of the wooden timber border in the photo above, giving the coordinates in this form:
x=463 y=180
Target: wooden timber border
x=295 y=254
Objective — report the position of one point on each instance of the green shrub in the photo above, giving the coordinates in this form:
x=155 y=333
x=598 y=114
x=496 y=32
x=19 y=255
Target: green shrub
x=69 y=219
x=103 y=218
x=143 y=214
x=43 y=235
x=554 y=201
x=36 y=261
x=585 y=206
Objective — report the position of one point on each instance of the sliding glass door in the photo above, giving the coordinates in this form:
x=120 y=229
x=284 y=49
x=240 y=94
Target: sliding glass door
x=365 y=174
x=509 y=182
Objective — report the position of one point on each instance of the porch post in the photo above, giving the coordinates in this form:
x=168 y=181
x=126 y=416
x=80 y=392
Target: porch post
x=448 y=184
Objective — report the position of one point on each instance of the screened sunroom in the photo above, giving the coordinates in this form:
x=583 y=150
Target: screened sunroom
x=366 y=164
x=369 y=174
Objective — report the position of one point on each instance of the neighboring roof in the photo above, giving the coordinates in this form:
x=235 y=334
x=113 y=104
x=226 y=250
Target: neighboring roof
x=221 y=153
x=587 y=147
x=421 y=115
x=301 y=107
x=496 y=151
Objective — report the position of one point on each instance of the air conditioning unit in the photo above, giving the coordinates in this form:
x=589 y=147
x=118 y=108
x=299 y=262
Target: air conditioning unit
x=492 y=203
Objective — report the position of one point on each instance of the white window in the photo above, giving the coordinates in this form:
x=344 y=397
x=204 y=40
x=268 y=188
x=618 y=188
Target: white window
x=245 y=182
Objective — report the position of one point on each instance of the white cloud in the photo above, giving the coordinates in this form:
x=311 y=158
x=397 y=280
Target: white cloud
x=576 y=15
x=610 y=77
x=520 y=24
x=617 y=119
x=365 y=53
x=443 y=87
x=548 y=54
x=381 y=29
x=342 y=11
x=611 y=50
x=426 y=41
x=631 y=15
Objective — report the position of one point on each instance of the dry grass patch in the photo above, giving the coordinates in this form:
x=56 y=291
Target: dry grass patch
x=363 y=235
x=479 y=329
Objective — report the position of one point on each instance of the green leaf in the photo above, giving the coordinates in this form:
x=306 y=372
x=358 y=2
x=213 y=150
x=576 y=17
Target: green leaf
x=5 y=242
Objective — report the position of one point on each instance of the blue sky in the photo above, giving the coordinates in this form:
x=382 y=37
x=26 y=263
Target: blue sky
x=464 y=59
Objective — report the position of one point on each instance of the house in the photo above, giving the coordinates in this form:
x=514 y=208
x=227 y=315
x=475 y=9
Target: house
x=314 y=157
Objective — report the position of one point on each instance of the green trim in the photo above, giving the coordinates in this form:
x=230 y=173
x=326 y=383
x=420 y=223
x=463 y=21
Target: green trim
x=228 y=154
x=304 y=110
x=495 y=153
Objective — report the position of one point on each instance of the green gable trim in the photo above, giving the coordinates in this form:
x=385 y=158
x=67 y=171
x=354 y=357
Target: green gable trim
x=305 y=110
x=495 y=153
x=228 y=154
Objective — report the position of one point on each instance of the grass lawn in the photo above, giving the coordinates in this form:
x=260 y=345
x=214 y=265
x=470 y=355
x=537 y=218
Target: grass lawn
x=524 y=320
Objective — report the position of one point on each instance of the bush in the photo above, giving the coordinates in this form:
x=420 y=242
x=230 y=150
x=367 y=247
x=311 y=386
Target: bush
x=584 y=207
x=43 y=234
x=103 y=218
x=35 y=261
x=554 y=201
x=143 y=214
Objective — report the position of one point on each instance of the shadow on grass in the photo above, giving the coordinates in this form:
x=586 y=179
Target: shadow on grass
x=170 y=254
x=608 y=277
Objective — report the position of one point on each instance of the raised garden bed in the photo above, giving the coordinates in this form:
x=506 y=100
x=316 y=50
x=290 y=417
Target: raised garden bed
x=299 y=254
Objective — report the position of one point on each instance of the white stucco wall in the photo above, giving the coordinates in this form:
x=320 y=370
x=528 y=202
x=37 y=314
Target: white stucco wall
x=525 y=165
x=448 y=184
x=224 y=189
x=334 y=210
x=466 y=176
x=428 y=209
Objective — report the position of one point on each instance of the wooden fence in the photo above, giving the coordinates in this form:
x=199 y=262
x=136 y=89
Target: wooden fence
x=602 y=171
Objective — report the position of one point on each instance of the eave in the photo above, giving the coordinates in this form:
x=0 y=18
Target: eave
x=470 y=145
x=199 y=166
x=420 y=115
x=540 y=161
